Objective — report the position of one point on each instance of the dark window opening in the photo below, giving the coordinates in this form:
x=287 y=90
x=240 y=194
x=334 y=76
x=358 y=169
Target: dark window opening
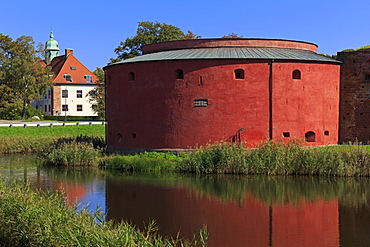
x=119 y=137
x=79 y=107
x=131 y=76
x=367 y=78
x=64 y=107
x=200 y=102
x=179 y=74
x=286 y=134
x=310 y=136
x=296 y=74
x=239 y=74
x=326 y=132
x=72 y=67
x=355 y=74
x=79 y=93
x=133 y=135
x=344 y=118
x=46 y=108
x=64 y=93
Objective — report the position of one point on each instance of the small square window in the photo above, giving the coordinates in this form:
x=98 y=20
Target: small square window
x=326 y=132
x=64 y=107
x=286 y=134
x=79 y=93
x=79 y=107
x=72 y=67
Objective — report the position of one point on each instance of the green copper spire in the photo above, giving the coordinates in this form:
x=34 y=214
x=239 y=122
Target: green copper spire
x=51 y=49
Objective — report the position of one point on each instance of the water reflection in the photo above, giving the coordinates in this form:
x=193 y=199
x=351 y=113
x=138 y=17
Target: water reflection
x=238 y=210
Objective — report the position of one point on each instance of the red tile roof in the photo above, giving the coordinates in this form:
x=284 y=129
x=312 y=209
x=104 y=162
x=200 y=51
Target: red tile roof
x=69 y=64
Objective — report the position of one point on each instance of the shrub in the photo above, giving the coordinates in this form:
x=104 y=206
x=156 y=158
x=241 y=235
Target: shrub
x=72 y=154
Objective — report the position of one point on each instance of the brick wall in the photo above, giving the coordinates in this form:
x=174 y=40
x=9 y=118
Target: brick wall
x=354 y=116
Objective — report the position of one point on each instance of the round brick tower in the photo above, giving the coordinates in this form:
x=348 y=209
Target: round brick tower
x=180 y=94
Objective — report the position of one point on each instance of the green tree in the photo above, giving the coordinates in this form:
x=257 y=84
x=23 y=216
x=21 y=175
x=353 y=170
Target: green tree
x=22 y=71
x=148 y=33
x=97 y=95
x=231 y=36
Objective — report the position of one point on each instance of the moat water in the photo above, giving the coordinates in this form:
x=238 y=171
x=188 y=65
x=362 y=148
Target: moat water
x=237 y=210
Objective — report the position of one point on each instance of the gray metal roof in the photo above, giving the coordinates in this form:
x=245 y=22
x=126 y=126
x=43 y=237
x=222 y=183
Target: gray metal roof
x=232 y=53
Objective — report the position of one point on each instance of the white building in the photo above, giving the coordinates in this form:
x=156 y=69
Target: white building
x=72 y=81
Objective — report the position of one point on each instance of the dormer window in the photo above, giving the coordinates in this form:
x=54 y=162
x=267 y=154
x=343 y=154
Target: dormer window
x=68 y=77
x=72 y=67
x=88 y=78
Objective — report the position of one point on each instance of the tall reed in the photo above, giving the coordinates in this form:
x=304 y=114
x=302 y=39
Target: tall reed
x=278 y=158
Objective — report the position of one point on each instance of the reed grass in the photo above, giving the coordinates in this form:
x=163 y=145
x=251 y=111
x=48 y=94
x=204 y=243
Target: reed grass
x=72 y=153
x=278 y=158
x=144 y=162
x=36 y=218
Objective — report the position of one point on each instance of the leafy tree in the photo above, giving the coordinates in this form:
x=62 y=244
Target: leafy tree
x=97 y=95
x=22 y=71
x=231 y=36
x=148 y=33
x=328 y=55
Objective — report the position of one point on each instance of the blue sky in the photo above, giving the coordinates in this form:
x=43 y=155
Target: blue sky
x=95 y=28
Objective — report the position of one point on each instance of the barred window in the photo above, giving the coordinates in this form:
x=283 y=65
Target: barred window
x=200 y=102
x=64 y=93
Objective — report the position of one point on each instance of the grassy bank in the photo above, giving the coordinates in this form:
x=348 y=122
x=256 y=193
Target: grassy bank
x=35 y=218
x=270 y=158
x=144 y=162
x=33 y=139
